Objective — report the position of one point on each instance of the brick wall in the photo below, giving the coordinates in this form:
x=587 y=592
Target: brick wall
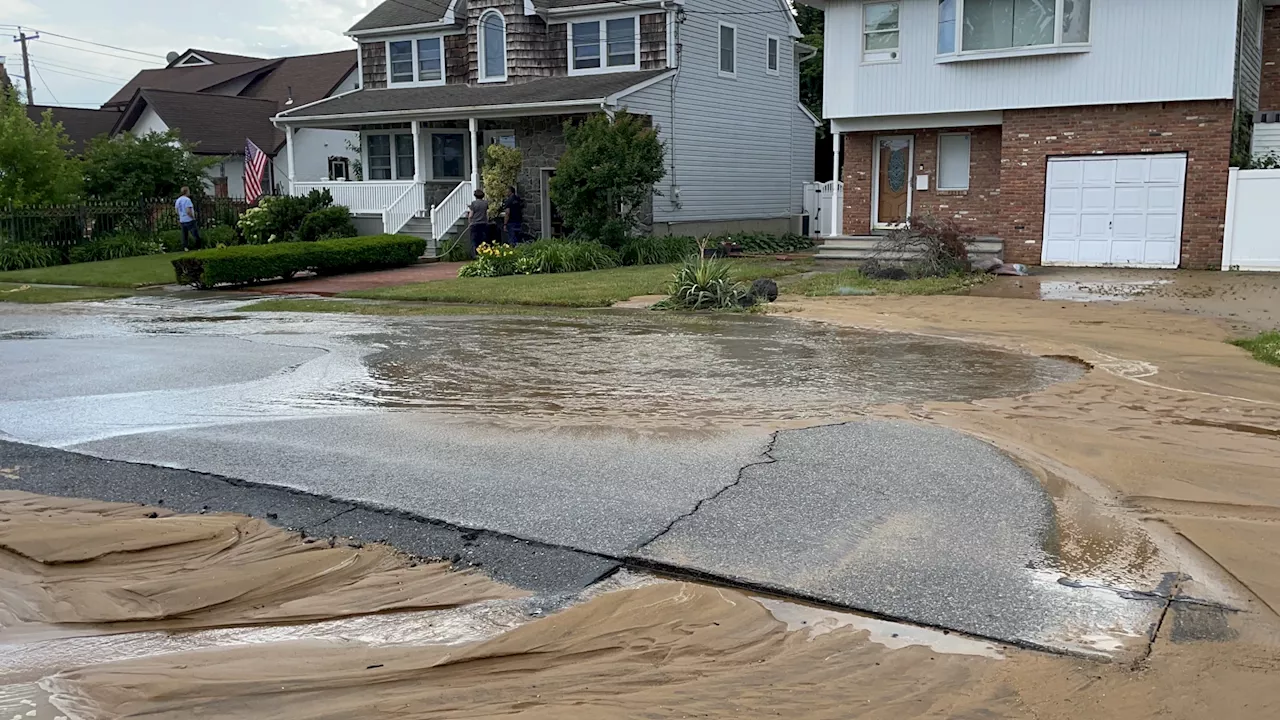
x=1200 y=129
x=1270 y=99
x=977 y=209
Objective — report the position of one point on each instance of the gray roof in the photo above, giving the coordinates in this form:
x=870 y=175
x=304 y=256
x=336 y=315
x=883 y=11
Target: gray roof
x=395 y=13
x=444 y=97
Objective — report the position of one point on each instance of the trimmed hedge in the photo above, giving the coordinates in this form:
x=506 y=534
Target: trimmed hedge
x=253 y=263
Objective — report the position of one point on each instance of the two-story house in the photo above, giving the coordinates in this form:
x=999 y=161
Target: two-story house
x=442 y=79
x=1078 y=132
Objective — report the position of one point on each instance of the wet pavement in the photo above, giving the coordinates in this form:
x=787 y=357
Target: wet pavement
x=592 y=439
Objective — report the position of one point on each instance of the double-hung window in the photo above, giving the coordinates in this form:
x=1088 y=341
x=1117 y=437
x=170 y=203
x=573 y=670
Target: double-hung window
x=1010 y=26
x=390 y=156
x=728 y=50
x=773 y=48
x=493 y=47
x=604 y=45
x=880 y=32
x=415 y=62
x=448 y=155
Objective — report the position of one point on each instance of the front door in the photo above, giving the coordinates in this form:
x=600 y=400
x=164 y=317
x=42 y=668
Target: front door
x=892 y=201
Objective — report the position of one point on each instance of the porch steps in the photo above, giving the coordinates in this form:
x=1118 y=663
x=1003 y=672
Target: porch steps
x=420 y=227
x=863 y=247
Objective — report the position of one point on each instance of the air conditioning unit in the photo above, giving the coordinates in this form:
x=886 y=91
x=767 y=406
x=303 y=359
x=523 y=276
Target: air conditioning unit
x=800 y=225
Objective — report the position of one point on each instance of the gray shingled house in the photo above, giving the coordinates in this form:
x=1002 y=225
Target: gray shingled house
x=442 y=79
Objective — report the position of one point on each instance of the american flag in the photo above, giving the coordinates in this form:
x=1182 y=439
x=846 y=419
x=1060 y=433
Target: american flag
x=255 y=162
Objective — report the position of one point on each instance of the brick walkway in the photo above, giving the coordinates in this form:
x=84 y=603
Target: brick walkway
x=334 y=284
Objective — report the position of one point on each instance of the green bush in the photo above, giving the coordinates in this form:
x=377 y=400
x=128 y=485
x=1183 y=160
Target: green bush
x=704 y=283
x=278 y=218
x=23 y=256
x=327 y=224
x=253 y=263
x=494 y=260
x=537 y=258
x=115 y=247
x=765 y=243
x=501 y=170
x=220 y=236
x=654 y=250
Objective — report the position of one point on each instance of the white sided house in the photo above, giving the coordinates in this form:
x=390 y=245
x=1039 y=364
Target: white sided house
x=442 y=79
x=1072 y=132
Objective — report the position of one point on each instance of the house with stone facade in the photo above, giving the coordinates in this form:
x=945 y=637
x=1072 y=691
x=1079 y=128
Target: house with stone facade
x=443 y=79
x=1074 y=132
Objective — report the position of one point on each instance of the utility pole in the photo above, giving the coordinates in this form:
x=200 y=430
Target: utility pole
x=26 y=63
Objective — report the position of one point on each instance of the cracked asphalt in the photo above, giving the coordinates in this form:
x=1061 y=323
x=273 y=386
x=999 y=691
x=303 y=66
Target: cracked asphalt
x=278 y=417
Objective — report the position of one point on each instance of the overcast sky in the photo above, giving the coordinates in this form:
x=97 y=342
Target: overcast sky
x=265 y=28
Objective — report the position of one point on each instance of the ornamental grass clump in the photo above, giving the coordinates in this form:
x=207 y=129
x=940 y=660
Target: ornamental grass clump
x=706 y=283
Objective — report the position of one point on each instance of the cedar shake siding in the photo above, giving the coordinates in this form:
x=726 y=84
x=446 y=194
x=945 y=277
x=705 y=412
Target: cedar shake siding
x=455 y=59
x=374 y=56
x=653 y=41
x=527 y=55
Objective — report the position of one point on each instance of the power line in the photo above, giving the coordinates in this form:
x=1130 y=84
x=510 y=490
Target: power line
x=46 y=84
x=110 y=47
x=81 y=77
x=95 y=52
x=50 y=64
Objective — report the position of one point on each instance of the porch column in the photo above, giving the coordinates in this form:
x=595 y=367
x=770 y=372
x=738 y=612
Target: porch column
x=417 y=152
x=835 y=156
x=288 y=143
x=474 y=126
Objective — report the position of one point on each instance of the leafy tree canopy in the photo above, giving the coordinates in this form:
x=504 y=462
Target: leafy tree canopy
x=155 y=165
x=811 y=22
x=35 y=165
x=607 y=174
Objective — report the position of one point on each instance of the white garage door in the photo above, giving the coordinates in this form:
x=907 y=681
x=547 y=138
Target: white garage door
x=1116 y=210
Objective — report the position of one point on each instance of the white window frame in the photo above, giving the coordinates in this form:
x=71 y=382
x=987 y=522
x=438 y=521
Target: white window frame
x=605 y=67
x=429 y=158
x=968 y=170
x=720 y=50
x=344 y=162
x=879 y=57
x=1058 y=46
x=482 y=63
x=773 y=53
x=413 y=41
x=395 y=169
x=494 y=137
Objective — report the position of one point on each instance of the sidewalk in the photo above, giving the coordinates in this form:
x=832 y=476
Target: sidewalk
x=334 y=284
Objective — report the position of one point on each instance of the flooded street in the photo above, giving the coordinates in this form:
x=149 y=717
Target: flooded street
x=562 y=458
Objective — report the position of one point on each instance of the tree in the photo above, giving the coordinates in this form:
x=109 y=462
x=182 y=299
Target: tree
x=501 y=169
x=606 y=175
x=155 y=165
x=811 y=22
x=35 y=165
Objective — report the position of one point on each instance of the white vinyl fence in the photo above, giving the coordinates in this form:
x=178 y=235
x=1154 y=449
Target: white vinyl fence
x=824 y=203
x=1252 y=237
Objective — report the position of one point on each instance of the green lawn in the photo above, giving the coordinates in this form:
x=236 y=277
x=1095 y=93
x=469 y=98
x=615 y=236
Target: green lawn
x=1265 y=347
x=124 y=273
x=598 y=288
x=18 y=293
x=832 y=283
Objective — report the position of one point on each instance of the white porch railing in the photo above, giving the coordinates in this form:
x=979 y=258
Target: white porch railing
x=450 y=210
x=824 y=202
x=361 y=197
x=403 y=209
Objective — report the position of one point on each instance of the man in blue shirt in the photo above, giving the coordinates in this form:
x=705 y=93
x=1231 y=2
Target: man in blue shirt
x=187 y=217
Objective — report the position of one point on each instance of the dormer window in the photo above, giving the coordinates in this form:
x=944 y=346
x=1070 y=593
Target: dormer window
x=604 y=45
x=415 y=61
x=493 y=47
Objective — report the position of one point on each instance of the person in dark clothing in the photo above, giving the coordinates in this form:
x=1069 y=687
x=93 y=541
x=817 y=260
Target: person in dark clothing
x=478 y=215
x=513 y=210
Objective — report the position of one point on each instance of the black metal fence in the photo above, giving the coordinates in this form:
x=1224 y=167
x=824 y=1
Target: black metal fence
x=67 y=225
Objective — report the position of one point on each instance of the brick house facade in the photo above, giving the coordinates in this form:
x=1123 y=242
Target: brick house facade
x=1269 y=99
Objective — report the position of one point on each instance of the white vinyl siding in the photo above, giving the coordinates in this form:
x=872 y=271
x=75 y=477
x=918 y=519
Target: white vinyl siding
x=1249 y=56
x=953 y=161
x=1139 y=51
x=736 y=146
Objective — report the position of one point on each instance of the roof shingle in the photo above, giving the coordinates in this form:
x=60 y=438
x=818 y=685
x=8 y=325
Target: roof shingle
x=397 y=13
x=81 y=125
x=219 y=124
x=443 y=97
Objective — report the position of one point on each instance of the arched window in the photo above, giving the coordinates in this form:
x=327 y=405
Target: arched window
x=493 y=47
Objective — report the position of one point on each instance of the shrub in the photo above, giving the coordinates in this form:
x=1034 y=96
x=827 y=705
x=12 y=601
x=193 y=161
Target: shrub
x=491 y=261
x=252 y=263
x=704 y=283
x=606 y=175
x=219 y=236
x=939 y=246
x=561 y=256
x=658 y=250
x=22 y=256
x=767 y=244
x=327 y=224
x=501 y=170
x=279 y=217
x=116 y=247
